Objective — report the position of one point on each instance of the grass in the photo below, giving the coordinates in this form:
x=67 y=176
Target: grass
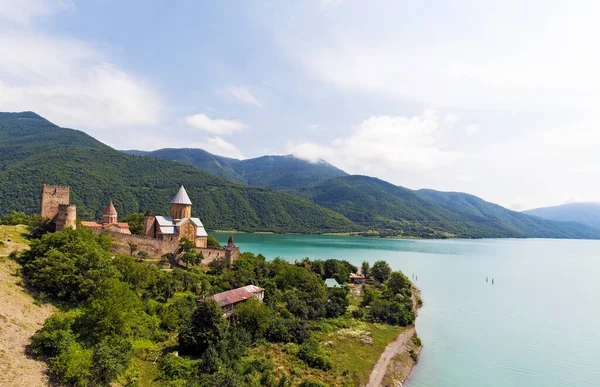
x=17 y=239
x=353 y=346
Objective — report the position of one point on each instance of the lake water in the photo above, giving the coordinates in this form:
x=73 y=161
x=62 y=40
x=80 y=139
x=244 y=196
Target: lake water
x=538 y=325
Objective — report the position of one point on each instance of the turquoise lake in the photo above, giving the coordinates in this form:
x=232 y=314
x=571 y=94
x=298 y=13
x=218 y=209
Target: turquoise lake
x=538 y=325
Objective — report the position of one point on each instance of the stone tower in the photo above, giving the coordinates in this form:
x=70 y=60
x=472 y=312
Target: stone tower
x=55 y=205
x=181 y=205
x=109 y=216
x=51 y=198
x=66 y=217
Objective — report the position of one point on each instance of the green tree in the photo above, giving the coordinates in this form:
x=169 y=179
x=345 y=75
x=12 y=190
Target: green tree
x=110 y=359
x=366 y=269
x=15 y=218
x=136 y=222
x=188 y=254
x=69 y=265
x=381 y=271
x=398 y=282
x=132 y=248
x=211 y=241
x=338 y=302
x=254 y=316
x=206 y=328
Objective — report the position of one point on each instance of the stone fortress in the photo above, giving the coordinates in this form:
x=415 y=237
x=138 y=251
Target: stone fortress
x=55 y=205
x=162 y=234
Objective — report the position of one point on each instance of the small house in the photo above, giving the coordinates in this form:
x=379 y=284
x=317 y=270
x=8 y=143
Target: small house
x=229 y=299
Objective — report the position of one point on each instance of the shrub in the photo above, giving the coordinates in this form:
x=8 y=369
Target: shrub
x=211 y=241
x=311 y=383
x=72 y=365
x=110 y=359
x=358 y=314
x=314 y=356
x=391 y=312
x=174 y=367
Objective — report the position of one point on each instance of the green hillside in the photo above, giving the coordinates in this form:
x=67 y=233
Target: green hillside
x=217 y=165
x=34 y=151
x=275 y=172
x=379 y=205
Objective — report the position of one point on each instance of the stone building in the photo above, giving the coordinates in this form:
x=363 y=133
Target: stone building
x=179 y=224
x=109 y=221
x=55 y=205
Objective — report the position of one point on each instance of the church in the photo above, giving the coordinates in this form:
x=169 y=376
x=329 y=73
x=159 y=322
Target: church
x=179 y=224
x=109 y=221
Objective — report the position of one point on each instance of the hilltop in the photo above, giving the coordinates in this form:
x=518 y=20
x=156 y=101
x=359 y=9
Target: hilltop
x=34 y=151
x=269 y=193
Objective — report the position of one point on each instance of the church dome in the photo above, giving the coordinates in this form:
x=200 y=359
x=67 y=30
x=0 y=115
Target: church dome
x=181 y=197
x=110 y=209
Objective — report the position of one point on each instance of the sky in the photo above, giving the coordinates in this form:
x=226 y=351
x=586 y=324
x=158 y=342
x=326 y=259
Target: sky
x=495 y=98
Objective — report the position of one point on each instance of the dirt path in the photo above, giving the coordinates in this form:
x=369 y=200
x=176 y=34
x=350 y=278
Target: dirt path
x=401 y=344
x=20 y=318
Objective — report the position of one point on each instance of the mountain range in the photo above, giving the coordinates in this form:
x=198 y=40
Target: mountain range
x=269 y=193
x=584 y=213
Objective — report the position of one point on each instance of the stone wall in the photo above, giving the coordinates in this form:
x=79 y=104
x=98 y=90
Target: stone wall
x=159 y=247
x=154 y=247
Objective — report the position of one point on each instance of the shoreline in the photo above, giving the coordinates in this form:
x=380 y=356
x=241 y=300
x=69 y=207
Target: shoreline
x=401 y=356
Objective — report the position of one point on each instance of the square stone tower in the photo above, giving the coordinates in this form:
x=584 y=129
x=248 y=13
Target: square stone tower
x=55 y=205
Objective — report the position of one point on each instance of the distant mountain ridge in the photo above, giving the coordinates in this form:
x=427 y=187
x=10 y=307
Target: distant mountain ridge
x=376 y=204
x=293 y=195
x=275 y=172
x=584 y=213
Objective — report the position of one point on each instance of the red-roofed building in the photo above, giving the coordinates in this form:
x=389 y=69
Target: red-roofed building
x=109 y=221
x=229 y=299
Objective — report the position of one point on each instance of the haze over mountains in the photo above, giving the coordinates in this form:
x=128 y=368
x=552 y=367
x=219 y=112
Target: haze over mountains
x=584 y=213
x=270 y=193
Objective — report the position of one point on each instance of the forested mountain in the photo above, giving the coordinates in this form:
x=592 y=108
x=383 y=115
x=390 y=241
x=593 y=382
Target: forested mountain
x=584 y=213
x=275 y=172
x=379 y=205
x=319 y=197
x=34 y=151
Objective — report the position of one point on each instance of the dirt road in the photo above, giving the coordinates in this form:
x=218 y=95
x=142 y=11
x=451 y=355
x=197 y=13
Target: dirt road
x=399 y=345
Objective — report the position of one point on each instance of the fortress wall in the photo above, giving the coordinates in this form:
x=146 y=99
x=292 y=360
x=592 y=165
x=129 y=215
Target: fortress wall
x=159 y=247
x=154 y=247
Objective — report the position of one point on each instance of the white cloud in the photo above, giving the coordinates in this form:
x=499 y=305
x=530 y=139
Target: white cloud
x=214 y=126
x=396 y=142
x=471 y=130
x=218 y=146
x=330 y=4
x=23 y=12
x=66 y=80
x=313 y=127
x=243 y=94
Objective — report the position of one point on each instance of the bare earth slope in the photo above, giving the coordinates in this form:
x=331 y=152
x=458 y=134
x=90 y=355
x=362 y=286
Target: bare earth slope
x=20 y=318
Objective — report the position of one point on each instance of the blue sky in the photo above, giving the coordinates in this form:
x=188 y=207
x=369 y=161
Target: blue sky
x=495 y=98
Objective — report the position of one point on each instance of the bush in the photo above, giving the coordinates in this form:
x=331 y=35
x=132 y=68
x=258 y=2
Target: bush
x=337 y=303
x=391 y=312
x=110 y=359
x=314 y=356
x=174 y=367
x=358 y=314
x=72 y=365
x=211 y=241
x=16 y=218
x=311 y=383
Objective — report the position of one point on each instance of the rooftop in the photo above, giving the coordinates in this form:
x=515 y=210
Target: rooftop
x=332 y=283
x=181 y=197
x=235 y=295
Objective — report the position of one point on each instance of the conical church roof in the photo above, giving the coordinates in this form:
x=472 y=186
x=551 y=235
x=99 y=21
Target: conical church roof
x=110 y=209
x=181 y=197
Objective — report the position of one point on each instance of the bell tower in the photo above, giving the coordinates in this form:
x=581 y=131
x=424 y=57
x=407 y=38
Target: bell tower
x=109 y=216
x=181 y=205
